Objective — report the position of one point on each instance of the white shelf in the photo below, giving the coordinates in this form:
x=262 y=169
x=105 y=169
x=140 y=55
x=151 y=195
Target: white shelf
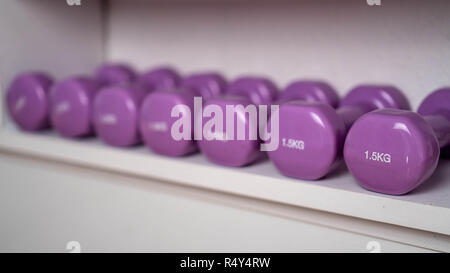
x=427 y=208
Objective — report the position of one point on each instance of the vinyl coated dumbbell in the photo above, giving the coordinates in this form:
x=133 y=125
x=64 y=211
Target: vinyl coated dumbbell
x=258 y=90
x=72 y=98
x=240 y=152
x=312 y=134
x=116 y=110
x=71 y=106
x=157 y=120
x=115 y=73
x=214 y=144
x=27 y=100
x=244 y=91
x=309 y=91
x=28 y=96
x=161 y=78
x=206 y=85
x=261 y=91
x=394 y=151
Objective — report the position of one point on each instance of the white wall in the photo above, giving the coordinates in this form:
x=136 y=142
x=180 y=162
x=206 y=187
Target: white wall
x=406 y=43
x=49 y=35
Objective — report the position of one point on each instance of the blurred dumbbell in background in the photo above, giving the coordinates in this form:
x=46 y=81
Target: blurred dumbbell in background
x=116 y=107
x=115 y=73
x=35 y=102
x=27 y=100
x=157 y=116
x=72 y=99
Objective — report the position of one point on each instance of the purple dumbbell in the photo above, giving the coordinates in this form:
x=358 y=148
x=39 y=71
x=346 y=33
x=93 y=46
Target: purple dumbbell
x=214 y=144
x=116 y=110
x=71 y=106
x=110 y=74
x=258 y=90
x=394 y=151
x=162 y=78
x=156 y=120
x=27 y=100
x=312 y=134
x=310 y=91
x=244 y=91
x=243 y=152
x=205 y=85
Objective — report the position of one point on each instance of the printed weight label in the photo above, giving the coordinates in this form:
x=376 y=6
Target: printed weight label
x=377 y=156
x=293 y=143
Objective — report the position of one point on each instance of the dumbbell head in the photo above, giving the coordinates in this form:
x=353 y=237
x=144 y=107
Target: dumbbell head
x=27 y=100
x=205 y=85
x=156 y=121
x=438 y=103
x=116 y=111
x=391 y=151
x=258 y=90
x=310 y=139
x=394 y=151
x=310 y=91
x=110 y=74
x=71 y=106
x=262 y=91
x=235 y=152
x=376 y=97
x=162 y=78
x=311 y=135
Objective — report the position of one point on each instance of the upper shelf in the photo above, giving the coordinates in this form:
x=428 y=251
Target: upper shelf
x=426 y=208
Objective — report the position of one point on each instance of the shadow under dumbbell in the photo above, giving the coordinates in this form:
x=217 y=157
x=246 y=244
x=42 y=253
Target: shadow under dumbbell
x=264 y=157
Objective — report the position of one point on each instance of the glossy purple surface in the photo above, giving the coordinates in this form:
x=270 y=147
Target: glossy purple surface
x=162 y=78
x=312 y=134
x=233 y=153
x=27 y=100
x=391 y=151
x=205 y=85
x=310 y=91
x=438 y=104
x=156 y=122
x=394 y=151
x=116 y=111
x=258 y=90
x=71 y=111
x=376 y=97
x=110 y=74
x=310 y=141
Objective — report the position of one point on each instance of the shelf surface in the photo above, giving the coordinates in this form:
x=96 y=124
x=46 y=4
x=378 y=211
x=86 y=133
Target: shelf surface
x=426 y=208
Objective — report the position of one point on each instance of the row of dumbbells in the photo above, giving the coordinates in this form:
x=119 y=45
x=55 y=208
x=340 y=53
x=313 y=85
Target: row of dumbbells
x=387 y=148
